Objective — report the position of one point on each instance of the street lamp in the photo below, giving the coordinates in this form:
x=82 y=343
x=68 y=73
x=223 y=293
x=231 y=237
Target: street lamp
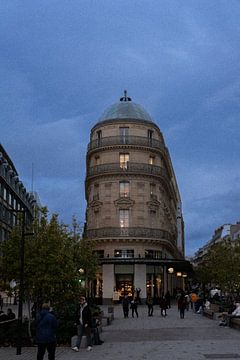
x=21 y=280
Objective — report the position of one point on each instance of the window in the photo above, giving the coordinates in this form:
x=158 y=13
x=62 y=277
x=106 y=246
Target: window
x=124 y=134
x=151 y=160
x=150 y=134
x=124 y=253
x=99 y=137
x=99 y=134
x=123 y=159
x=96 y=192
x=124 y=218
x=99 y=253
x=152 y=189
x=4 y=193
x=153 y=254
x=97 y=160
x=150 y=137
x=124 y=188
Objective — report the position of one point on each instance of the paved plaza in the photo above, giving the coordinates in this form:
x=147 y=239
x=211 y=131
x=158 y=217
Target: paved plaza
x=154 y=338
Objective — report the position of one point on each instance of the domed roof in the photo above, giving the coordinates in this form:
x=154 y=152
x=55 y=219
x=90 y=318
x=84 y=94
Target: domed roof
x=125 y=109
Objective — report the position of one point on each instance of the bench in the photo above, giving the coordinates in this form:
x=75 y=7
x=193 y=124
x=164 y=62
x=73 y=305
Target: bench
x=235 y=323
x=208 y=313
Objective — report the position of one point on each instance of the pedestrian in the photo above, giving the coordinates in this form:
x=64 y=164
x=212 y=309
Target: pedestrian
x=138 y=291
x=10 y=314
x=168 y=299
x=187 y=299
x=163 y=306
x=1 y=302
x=182 y=305
x=84 y=324
x=46 y=326
x=95 y=324
x=34 y=310
x=134 y=306
x=149 y=303
x=125 y=305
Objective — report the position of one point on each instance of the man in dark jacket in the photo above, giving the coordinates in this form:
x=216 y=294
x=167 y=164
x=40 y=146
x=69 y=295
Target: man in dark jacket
x=84 y=323
x=46 y=326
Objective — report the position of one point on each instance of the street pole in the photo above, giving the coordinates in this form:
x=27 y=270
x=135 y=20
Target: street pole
x=21 y=284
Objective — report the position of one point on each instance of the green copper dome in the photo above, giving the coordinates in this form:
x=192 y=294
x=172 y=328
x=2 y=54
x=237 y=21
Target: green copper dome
x=125 y=109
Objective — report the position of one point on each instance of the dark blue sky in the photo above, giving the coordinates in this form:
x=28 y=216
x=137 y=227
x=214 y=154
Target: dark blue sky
x=63 y=62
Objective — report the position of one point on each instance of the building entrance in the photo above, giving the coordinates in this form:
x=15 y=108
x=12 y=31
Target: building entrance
x=124 y=285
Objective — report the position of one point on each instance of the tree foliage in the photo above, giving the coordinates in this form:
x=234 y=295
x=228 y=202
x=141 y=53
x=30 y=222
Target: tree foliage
x=53 y=256
x=221 y=266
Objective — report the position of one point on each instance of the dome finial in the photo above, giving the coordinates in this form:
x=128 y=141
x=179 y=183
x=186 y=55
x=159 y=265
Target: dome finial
x=125 y=97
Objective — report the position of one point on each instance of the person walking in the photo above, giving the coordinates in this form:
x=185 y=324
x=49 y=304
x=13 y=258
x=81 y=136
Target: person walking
x=134 y=306
x=46 y=327
x=168 y=299
x=125 y=305
x=149 y=303
x=163 y=306
x=182 y=305
x=84 y=323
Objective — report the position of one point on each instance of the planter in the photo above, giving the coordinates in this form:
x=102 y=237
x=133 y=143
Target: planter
x=214 y=307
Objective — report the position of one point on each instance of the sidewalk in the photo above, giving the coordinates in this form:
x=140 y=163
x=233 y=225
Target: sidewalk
x=152 y=338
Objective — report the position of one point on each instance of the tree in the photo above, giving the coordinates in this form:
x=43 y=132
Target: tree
x=221 y=266
x=53 y=257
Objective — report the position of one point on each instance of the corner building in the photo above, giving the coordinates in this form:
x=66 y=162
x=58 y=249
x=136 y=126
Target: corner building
x=133 y=211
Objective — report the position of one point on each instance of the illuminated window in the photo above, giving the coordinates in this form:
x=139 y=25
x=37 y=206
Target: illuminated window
x=124 y=218
x=124 y=253
x=124 y=188
x=151 y=160
x=123 y=159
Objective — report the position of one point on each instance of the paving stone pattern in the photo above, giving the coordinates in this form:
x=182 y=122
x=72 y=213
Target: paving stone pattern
x=152 y=338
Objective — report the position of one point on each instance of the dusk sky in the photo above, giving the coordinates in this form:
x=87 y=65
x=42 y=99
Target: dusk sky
x=62 y=63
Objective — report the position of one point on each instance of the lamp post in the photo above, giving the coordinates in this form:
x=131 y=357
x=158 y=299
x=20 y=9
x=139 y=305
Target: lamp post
x=21 y=280
x=171 y=272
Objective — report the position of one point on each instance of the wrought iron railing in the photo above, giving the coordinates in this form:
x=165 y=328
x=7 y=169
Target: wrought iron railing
x=126 y=140
x=130 y=168
x=136 y=232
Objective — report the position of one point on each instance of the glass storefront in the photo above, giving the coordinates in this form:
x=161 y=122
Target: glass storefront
x=154 y=281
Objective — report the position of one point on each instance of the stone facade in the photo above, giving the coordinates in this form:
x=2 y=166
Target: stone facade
x=133 y=211
x=13 y=196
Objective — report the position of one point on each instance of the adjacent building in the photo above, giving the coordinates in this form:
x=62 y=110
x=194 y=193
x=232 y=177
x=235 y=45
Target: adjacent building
x=14 y=197
x=224 y=232
x=134 y=214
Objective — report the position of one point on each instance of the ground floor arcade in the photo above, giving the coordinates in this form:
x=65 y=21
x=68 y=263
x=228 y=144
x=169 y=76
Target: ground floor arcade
x=117 y=279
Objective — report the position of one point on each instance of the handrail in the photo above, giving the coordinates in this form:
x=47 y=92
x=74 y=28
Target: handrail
x=130 y=167
x=126 y=140
x=129 y=232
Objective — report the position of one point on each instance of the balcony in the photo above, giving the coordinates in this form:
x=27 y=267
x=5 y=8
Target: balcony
x=136 y=168
x=134 y=232
x=125 y=140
